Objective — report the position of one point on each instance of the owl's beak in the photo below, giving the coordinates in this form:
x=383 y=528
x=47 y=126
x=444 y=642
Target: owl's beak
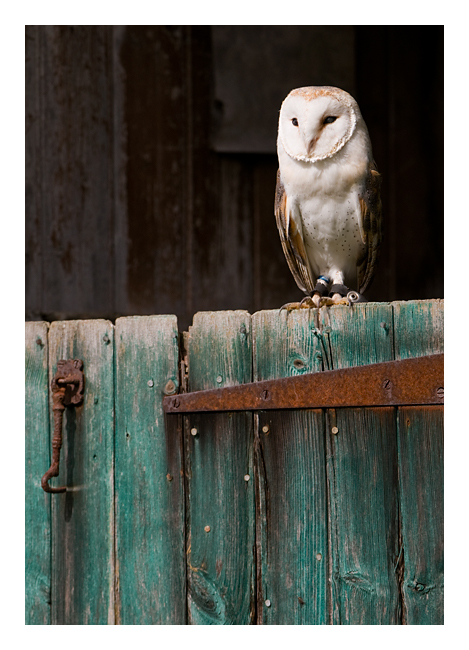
x=311 y=145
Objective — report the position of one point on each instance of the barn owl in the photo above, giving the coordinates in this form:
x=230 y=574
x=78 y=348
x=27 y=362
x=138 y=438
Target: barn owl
x=327 y=201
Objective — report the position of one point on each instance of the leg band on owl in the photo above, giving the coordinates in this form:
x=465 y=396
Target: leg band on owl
x=340 y=289
x=321 y=289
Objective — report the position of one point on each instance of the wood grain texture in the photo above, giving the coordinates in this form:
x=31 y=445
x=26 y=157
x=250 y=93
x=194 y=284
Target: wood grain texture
x=83 y=517
x=69 y=171
x=150 y=553
x=220 y=502
x=419 y=331
x=37 y=462
x=292 y=535
x=362 y=475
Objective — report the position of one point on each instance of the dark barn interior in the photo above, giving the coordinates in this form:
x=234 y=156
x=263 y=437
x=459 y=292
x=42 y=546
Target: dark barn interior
x=151 y=162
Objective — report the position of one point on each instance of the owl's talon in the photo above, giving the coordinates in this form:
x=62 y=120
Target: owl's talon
x=306 y=303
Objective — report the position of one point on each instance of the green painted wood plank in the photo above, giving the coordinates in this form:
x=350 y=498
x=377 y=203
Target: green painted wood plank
x=362 y=476
x=150 y=548
x=37 y=461
x=220 y=502
x=292 y=494
x=418 y=327
x=364 y=517
x=83 y=517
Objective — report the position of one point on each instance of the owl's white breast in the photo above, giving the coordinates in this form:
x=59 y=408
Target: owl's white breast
x=324 y=198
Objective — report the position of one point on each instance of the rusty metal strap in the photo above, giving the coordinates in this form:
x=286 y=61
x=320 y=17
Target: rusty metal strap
x=392 y=383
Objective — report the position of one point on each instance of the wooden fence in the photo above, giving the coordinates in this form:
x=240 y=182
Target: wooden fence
x=233 y=518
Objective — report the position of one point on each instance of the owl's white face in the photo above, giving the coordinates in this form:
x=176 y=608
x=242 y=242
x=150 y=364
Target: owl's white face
x=316 y=122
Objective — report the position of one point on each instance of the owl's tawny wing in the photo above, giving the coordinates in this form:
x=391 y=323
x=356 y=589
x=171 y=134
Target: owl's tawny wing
x=292 y=241
x=371 y=226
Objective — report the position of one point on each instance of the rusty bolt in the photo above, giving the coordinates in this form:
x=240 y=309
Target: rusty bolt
x=335 y=430
x=266 y=428
x=169 y=388
x=169 y=477
x=440 y=392
x=387 y=384
x=176 y=403
x=207 y=529
x=265 y=394
x=39 y=342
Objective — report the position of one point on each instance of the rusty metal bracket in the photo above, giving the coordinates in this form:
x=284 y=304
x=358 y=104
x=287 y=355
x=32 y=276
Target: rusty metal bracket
x=67 y=390
x=392 y=383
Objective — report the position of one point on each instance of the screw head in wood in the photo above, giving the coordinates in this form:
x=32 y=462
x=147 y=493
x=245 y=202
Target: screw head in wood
x=170 y=388
x=335 y=430
x=169 y=477
x=318 y=557
x=246 y=477
x=207 y=529
x=150 y=383
x=266 y=428
x=194 y=431
x=267 y=603
x=219 y=379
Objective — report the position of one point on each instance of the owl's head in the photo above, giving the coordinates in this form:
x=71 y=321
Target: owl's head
x=316 y=122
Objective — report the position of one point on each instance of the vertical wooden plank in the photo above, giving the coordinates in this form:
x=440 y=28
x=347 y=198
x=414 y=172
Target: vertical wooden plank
x=220 y=481
x=152 y=59
x=37 y=461
x=362 y=475
x=418 y=327
x=150 y=553
x=69 y=171
x=83 y=517
x=291 y=475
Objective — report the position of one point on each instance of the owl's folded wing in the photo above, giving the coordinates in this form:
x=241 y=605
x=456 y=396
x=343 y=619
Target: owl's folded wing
x=371 y=227
x=292 y=241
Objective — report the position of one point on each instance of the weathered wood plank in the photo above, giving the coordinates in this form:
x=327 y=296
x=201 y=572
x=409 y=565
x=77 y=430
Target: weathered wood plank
x=37 y=461
x=219 y=472
x=362 y=475
x=69 y=171
x=150 y=553
x=291 y=475
x=364 y=516
x=83 y=517
x=418 y=329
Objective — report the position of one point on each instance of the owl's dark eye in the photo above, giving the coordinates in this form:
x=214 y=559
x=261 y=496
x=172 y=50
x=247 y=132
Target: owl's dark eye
x=329 y=119
x=294 y=121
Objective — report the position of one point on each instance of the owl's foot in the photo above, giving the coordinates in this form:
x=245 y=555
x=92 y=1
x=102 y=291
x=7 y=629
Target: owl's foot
x=336 y=299
x=306 y=303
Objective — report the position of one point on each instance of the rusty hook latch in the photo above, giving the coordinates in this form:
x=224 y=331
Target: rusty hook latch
x=67 y=390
